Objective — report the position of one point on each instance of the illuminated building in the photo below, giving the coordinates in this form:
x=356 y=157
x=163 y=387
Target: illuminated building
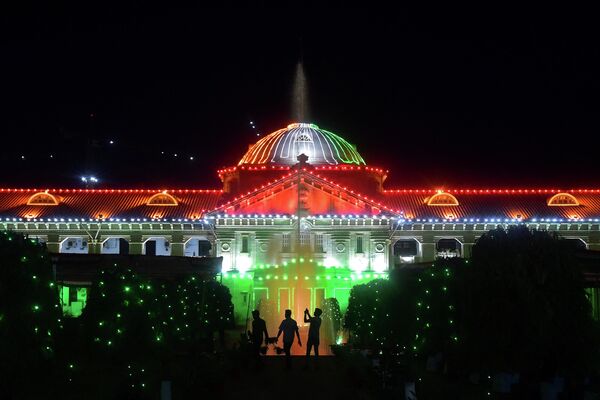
x=301 y=218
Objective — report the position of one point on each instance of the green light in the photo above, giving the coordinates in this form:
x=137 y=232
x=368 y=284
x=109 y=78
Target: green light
x=127 y=289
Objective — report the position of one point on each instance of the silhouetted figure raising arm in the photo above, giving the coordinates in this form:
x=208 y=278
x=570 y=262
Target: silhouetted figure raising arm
x=313 y=332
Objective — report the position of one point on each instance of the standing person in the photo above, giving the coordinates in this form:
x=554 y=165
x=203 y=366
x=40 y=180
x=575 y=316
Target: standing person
x=259 y=332
x=313 y=332
x=288 y=327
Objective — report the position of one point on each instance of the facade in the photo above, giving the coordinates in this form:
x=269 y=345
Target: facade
x=301 y=218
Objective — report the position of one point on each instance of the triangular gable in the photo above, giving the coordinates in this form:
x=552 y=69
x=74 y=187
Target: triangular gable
x=320 y=197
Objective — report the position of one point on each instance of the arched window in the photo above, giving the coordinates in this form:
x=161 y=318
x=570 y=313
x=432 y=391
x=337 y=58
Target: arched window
x=563 y=200
x=442 y=199
x=42 y=199
x=303 y=137
x=162 y=199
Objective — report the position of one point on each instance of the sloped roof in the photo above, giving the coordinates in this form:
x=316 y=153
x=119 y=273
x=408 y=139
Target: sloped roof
x=107 y=204
x=526 y=204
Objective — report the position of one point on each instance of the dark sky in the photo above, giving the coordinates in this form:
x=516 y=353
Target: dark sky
x=456 y=100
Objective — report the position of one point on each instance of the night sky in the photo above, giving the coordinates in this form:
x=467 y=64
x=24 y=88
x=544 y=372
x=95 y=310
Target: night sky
x=439 y=101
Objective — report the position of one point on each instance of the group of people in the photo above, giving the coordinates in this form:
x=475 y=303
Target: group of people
x=289 y=328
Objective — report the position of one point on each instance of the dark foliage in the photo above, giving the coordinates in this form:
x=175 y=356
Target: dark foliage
x=411 y=313
x=332 y=319
x=30 y=315
x=525 y=308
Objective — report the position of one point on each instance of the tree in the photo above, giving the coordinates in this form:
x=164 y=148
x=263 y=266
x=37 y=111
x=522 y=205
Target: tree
x=140 y=327
x=525 y=308
x=332 y=320
x=414 y=312
x=30 y=314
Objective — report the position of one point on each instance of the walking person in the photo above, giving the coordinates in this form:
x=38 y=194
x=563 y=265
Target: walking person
x=258 y=334
x=288 y=327
x=313 y=334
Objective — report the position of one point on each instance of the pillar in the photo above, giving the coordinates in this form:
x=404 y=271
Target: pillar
x=53 y=243
x=135 y=245
x=427 y=252
x=177 y=248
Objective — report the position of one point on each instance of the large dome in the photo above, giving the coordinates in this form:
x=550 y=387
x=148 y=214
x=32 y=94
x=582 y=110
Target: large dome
x=283 y=146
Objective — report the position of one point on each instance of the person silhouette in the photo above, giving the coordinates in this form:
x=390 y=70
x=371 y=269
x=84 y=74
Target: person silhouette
x=288 y=326
x=313 y=332
x=258 y=334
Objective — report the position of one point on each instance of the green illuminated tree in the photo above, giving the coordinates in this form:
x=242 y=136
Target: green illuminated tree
x=525 y=308
x=414 y=312
x=30 y=315
x=332 y=320
x=381 y=315
x=139 y=326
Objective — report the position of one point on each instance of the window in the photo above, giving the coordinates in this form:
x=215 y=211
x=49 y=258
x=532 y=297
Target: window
x=204 y=247
x=359 y=244
x=303 y=138
x=72 y=295
x=42 y=199
x=244 y=244
x=285 y=243
x=304 y=239
x=162 y=199
x=442 y=199
x=563 y=199
x=319 y=243
x=406 y=248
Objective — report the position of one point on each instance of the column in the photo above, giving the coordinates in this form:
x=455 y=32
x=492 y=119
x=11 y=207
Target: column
x=177 y=248
x=135 y=244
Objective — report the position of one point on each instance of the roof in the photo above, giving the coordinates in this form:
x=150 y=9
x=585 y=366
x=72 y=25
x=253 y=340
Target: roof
x=193 y=204
x=519 y=204
x=284 y=145
x=107 y=204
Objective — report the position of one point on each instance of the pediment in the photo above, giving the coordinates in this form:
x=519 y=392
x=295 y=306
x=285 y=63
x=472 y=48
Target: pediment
x=317 y=196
